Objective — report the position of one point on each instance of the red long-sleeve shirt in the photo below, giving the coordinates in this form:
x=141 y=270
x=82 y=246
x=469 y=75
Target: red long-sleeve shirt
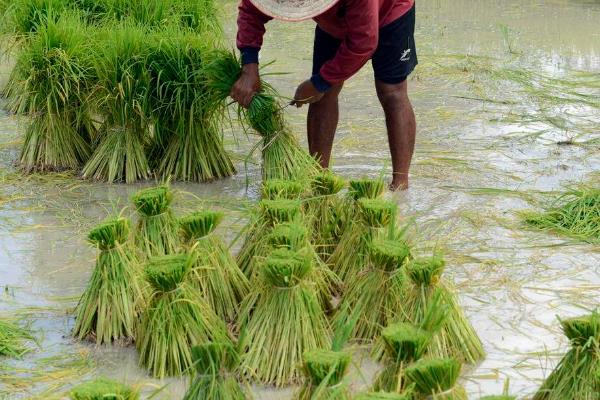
x=355 y=22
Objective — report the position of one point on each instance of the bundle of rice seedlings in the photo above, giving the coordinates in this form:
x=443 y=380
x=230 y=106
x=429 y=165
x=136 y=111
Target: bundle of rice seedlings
x=404 y=344
x=350 y=256
x=281 y=153
x=274 y=189
x=366 y=188
x=324 y=371
x=156 y=232
x=49 y=84
x=383 y=396
x=456 y=338
x=576 y=375
x=267 y=215
x=436 y=379
x=176 y=319
x=111 y=303
x=215 y=270
x=13 y=339
x=103 y=389
x=377 y=293
x=575 y=213
x=282 y=320
x=121 y=97
x=326 y=209
x=214 y=379
x=498 y=397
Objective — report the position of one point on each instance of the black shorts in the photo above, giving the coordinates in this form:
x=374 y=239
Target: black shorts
x=396 y=54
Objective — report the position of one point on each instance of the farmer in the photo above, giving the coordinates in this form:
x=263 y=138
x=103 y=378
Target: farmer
x=348 y=34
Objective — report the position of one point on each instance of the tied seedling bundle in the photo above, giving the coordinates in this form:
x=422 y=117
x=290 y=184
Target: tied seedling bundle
x=383 y=396
x=13 y=339
x=49 y=84
x=268 y=214
x=103 y=389
x=350 y=256
x=275 y=189
x=113 y=299
x=577 y=374
x=215 y=270
x=188 y=141
x=359 y=189
x=281 y=153
x=176 y=319
x=326 y=209
x=377 y=293
x=436 y=379
x=282 y=320
x=156 y=232
x=215 y=364
x=456 y=338
x=324 y=372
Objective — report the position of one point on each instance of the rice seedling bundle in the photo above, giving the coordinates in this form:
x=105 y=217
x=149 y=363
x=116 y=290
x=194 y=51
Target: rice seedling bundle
x=48 y=84
x=404 y=344
x=383 y=396
x=215 y=270
x=499 y=397
x=282 y=320
x=274 y=189
x=281 y=153
x=156 y=232
x=350 y=256
x=577 y=374
x=13 y=339
x=436 y=379
x=214 y=379
x=576 y=213
x=108 y=309
x=103 y=389
x=377 y=293
x=176 y=319
x=456 y=338
x=326 y=209
x=324 y=372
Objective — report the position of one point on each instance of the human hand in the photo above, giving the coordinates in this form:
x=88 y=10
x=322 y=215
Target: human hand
x=306 y=93
x=246 y=86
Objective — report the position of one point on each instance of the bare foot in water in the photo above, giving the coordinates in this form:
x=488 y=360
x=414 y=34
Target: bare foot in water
x=398 y=185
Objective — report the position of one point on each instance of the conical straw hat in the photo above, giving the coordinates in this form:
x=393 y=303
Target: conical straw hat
x=293 y=10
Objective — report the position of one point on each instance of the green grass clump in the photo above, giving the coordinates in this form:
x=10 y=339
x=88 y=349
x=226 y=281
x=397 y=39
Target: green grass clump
x=176 y=319
x=324 y=371
x=282 y=320
x=576 y=213
x=437 y=378
x=383 y=396
x=156 y=232
x=13 y=339
x=215 y=271
x=499 y=397
x=215 y=364
x=24 y=18
x=103 y=389
x=108 y=309
x=577 y=374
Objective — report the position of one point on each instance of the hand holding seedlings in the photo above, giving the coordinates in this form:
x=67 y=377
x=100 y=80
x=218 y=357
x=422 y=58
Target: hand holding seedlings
x=246 y=86
x=306 y=93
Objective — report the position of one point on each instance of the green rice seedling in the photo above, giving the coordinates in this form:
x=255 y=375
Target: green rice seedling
x=436 y=379
x=24 y=18
x=377 y=293
x=350 y=256
x=456 y=338
x=576 y=375
x=215 y=271
x=499 y=397
x=48 y=84
x=282 y=320
x=274 y=189
x=176 y=319
x=13 y=339
x=326 y=209
x=156 y=232
x=103 y=389
x=214 y=379
x=383 y=396
x=324 y=371
x=108 y=309
x=576 y=213
x=366 y=188
x=121 y=97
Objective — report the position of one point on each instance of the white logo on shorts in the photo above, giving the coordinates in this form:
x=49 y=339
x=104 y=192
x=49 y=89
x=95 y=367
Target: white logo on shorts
x=405 y=55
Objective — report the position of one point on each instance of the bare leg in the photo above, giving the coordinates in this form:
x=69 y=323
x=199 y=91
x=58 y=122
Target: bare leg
x=322 y=123
x=401 y=127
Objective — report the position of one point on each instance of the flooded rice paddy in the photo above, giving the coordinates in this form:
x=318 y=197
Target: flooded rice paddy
x=507 y=98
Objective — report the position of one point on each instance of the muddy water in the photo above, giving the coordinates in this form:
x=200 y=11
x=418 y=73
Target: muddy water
x=500 y=84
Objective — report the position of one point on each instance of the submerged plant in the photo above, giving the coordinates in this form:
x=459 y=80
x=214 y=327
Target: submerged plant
x=214 y=363
x=157 y=227
x=324 y=371
x=282 y=320
x=437 y=378
x=113 y=299
x=215 y=270
x=13 y=339
x=176 y=319
x=577 y=374
x=103 y=389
